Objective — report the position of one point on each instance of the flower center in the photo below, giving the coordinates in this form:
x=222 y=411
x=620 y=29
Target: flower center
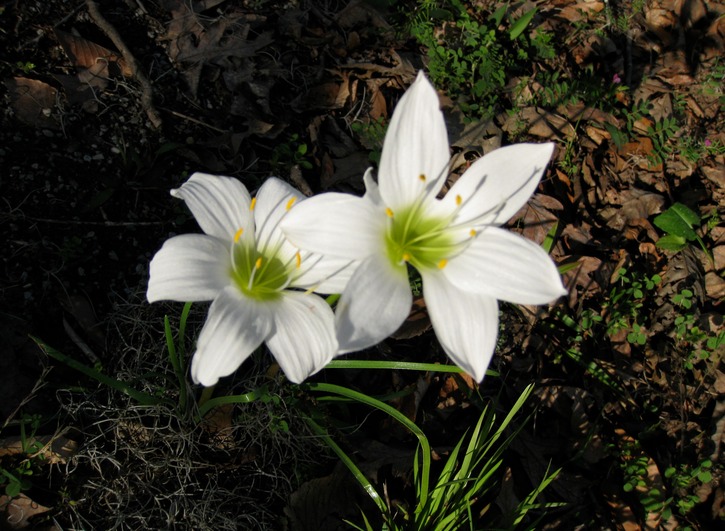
x=258 y=276
x=418 y=240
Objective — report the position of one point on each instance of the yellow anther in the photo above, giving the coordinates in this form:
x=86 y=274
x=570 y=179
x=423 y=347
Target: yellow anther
x=253 y=204
x=389 y=212
x=421 y=177
x=459 y=200
x=473 y=233
x=290 y=203
x=238 y=235
x=258 y=263
x=443 y=263
x=406 y=257
x=298 y=260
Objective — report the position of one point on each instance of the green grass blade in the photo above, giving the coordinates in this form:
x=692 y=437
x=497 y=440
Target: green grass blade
x=245 y=398
x=400 y=365
x=395 y=414
x=351 y=466
x=142 y=398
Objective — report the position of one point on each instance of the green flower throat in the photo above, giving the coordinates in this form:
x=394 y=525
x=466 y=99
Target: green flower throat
x=258 y=276
x=420 y=241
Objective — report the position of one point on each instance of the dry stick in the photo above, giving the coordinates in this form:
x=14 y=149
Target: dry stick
x=146 y=89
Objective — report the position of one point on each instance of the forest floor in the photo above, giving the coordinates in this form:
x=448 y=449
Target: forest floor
x=109 y=105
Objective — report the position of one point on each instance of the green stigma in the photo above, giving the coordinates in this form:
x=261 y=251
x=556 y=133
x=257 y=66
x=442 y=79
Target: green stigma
x=256 y=275
x=418 y=240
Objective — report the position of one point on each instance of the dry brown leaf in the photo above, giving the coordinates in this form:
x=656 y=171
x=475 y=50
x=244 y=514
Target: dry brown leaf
x=17 y=513
x=635 y=204
x=638 y=152
x=581 y=10
x=378 y=105
x=55 y=449
x=662 y=20
x=85 y=54
x=718 y=435
x=536 y=217
x=321 y=503
x=417 y=322
x=580 y=233
x=538 y=122
x=324 y=97
x=718 y=254
x=33 y=101
x=361 y=14
x=195 y=42
x=581 y=281
x=715 y=286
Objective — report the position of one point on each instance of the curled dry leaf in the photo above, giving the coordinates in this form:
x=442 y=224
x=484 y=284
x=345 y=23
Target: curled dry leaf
x=538 y=122
x=635 y=204
x=582 y=281
x=85 y=54
x=19 y=513
x=33 y=101
x=537 y=217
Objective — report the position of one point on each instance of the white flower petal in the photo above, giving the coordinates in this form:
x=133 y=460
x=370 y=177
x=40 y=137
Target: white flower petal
x=219 y=204
x=506 y=266
x=235 y=327
x=372 y=192
x=416 y=144
x=190 y=267
x=498 y=184
x=275 y=198
x=323 y=274
x=375 y=303
x=303 y=341
x=336 y=224
x=466 y=324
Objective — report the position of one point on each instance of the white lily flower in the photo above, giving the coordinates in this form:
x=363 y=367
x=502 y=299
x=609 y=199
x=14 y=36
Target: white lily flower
x=260 y=284
x=465 y=260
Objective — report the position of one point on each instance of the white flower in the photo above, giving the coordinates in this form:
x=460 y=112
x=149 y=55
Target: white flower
x=246 y=266
x=465 y=260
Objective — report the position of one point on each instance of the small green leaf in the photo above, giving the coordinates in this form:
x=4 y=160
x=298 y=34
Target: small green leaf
x=498 y=15
x=678 y=220
x=13 y=488
x=671 y=242
x=518 y=27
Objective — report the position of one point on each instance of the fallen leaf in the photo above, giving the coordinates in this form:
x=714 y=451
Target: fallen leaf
x=715 y=286
x=85 y=54
x=18 y=513
x=536 y=217
x=322 y=503
x=33 y=101
x=582 y=281
x=634 y=204
x=538 y=122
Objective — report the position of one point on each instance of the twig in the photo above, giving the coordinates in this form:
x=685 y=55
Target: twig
x=194 y=120
x=136 y=72
x=90 y=223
